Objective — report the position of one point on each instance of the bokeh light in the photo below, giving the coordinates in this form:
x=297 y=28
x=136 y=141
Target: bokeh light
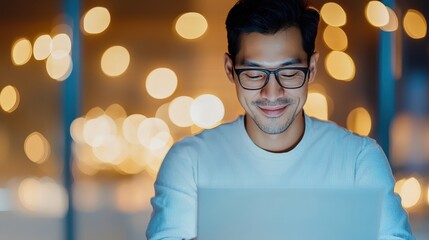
x=100 y=130
x=76 y=130
x=59 y=68
x=410 y=192
x=84 y=159
x=130 y=127
x=359 y=121
x=191 y=25
x=42 y=47
x=43 y=196
x=37 y=148
x=333 y=14
x=96 y=20
x=376 y=13
x=21 y=51
x=179 y=111
x=161 y=83
x=61 y=46
x=207 y=111
x=393 y=23
x=116 y=111
x=153 y=133
x=113 y=150
x=415 y=24
x=94 y=113
x=115 y=61
x=335 y=38
x=9 y=98
x=340 y=66
x=129 y=166
x=398 y=185
x=316 y=106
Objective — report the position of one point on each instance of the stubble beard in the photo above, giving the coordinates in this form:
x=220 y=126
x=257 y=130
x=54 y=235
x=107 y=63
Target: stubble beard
x=271 y=127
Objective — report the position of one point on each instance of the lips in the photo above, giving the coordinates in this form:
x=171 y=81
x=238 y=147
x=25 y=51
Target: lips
x=273 y=111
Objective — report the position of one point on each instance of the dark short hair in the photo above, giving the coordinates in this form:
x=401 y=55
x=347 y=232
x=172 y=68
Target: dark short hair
x=269 y=17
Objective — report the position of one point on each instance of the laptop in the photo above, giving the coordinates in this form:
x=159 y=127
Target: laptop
x=279 y=214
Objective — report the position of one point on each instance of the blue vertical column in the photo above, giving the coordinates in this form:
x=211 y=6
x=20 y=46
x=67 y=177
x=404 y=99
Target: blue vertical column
x=71 y=109
x=386 y=92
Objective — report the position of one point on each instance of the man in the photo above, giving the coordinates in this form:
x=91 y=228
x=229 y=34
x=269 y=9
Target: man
x=271 y=61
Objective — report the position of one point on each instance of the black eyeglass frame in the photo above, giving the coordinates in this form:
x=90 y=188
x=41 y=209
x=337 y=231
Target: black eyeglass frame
x=238 y=71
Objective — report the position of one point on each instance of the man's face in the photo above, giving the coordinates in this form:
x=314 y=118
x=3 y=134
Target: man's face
x=272 y=109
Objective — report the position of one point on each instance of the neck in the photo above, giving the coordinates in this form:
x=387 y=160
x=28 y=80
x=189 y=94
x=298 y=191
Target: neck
x=282 y=142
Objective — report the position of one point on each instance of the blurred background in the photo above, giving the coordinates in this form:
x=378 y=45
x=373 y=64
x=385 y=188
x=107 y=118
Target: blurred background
x=94 y=93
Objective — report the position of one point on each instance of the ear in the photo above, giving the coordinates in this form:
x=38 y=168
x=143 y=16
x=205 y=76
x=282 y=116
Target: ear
x=313 y=66
x=228 y=64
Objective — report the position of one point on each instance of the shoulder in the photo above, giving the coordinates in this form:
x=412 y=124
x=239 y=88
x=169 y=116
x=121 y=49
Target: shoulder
x=322 y=129
x=330 y=135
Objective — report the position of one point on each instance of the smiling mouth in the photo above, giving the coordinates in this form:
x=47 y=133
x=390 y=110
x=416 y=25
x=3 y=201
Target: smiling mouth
x=273 y=111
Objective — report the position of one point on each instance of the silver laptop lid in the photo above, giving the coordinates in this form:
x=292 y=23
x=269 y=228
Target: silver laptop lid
x=274 y=214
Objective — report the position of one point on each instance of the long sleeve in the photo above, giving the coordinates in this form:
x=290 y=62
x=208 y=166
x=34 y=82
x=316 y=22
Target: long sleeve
x=373 y=170
x=175 y=202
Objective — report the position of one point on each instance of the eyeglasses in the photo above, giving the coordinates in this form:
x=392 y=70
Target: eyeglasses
x=257 y=78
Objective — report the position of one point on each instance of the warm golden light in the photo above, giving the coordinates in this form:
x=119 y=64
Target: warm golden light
x=94 y=113
x=207 y=111
x=392 y=25
x=333 y=14
x=359 y=121
x=85 y=160
x=410 y=192
x=179 y=111
x=153 y=133
x=76 y=130
x=37 y=148
x=316 y=106
x=376 y=13
x=113 y=150
x=27 y=191
x=130 y=127
x=161 y=83
x=129 y=166
x=96 y=20
x=59 y=68
x=340 y=66
x=398 y=185
x=9 y=98
x=191 y=25
x=335 y=38
x=21 y=51
x=61 y=46
x=116 y=111
x=44 y=196
x=415 y=24
x=100 y=130
x=42 y=47
x=115 y=61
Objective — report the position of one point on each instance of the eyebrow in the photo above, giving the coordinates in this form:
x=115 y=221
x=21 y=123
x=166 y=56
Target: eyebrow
x=283 y=64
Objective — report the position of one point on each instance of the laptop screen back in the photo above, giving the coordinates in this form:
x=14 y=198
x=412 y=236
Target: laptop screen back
x=278 y=214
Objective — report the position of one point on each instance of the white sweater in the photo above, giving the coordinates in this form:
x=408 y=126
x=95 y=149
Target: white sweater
x=326 y=156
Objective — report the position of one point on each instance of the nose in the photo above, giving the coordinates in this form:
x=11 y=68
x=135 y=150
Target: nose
x=272 y=90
